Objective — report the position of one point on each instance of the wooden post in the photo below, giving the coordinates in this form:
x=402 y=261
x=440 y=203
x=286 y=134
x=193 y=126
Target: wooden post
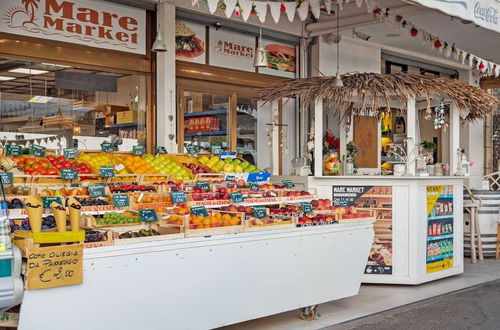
x=318 y=138
x=233 y=121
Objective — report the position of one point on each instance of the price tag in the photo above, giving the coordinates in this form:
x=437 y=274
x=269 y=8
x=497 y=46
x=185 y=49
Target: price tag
x=13 y=150
x=47 y=200
x=192 y=148
x=120 y=200
x=70 y=153
x=96 y=190
x=69 y=174
x=199 y=210
x=138 y=150
x=253 y=185
x=229 y=178
x=54 y=266
x=178 y=197
x=107 y=172
x=237 y=197
x=37 y=151
x=203 y=185
x=107 y=147
x=148 y=215
x=216 y=149
x=224 y=155
x=259 y=211
x=160 y=150
x=289 y=183
x=306 y=207
x=240 y=150
x=7 y=177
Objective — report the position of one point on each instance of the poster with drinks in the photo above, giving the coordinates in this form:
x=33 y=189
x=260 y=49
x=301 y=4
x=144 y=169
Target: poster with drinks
x=377 y=201
x=190 y=42
x=439 y=228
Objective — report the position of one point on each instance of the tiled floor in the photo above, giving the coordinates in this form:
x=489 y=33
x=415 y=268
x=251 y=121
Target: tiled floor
x=376 y=298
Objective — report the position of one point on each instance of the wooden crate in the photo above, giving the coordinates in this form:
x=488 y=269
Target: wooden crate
x=108 y=239
x=279 y=224
x=91 y=222
x=27 y=239
x=167 y=233
x=223 y=230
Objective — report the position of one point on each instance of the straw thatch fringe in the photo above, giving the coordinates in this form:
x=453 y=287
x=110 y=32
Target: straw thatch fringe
x=378 y=90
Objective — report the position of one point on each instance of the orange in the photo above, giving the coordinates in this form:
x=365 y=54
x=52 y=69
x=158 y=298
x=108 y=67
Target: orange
x=218 y=215
x=226 y=217
x=234 y=221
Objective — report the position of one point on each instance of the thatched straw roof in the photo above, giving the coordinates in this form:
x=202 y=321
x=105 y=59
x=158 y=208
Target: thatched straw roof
x=374 y=91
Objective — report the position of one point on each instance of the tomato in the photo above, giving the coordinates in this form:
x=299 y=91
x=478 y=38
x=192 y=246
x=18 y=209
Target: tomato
x=51 y=171
x=86 y=170
x=35 y=172
x=30 y=161
x=67 y=164
x=61 y=158
x=44 y=163
x=59 y=166
x=43 y=171
x=29 y=172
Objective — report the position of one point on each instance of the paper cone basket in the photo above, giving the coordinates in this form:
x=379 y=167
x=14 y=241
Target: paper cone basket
x=34 y=207
x=74 y=213
x=59 y=212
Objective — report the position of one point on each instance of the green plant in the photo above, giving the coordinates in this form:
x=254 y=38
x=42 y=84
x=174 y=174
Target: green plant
x=428 y=145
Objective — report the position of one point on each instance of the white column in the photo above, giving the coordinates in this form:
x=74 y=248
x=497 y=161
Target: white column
x=165 y=80
x=275 y=147
x=454 y=138
x=318 y=138
x=411 y=134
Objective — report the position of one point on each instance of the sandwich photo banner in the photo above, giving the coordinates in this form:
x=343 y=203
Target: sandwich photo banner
x=190 y=42
x=281 y=59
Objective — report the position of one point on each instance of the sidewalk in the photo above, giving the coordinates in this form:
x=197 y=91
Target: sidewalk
x=378 y=298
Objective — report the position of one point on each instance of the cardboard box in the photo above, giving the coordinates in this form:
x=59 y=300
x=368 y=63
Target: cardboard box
x=126 y=117
x=197 y=104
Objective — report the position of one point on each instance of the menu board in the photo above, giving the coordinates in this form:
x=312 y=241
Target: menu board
x=190 y=42
x=377 y=200
x=439 y=254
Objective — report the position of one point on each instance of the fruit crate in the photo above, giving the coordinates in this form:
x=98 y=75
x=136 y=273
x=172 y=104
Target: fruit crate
x=193 y=230
x=107 y=236
x=166 y=233
x=90 y=221
x=257 y=224
x=27 y=239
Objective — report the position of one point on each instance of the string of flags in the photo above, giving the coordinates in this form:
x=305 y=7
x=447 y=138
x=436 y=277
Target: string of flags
x=301 y=8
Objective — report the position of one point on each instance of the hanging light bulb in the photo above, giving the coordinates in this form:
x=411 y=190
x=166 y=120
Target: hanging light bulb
x=338 y=80
x=159 y=44
x=260 y=60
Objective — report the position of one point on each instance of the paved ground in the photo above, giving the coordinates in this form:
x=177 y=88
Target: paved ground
x=474 y=308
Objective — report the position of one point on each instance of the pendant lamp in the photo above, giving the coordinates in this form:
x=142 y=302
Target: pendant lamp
x=159 y=45
x=260 y=60
x=338 y=80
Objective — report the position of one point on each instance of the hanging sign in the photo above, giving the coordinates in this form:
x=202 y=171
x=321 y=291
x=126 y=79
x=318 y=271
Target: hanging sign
x=107 y=147
x=138 y=150
x=178 y=197
x=70 y=153
x=7 y=177
x=69 y=174
x=96 y=190
x=192 y=148
x=86 y=22
x=121 y=200
x=148 y=215
x=199 y=211
x=47 y=200
x=13 y=150
x=106 y=172
x=160 y=150
x=37 y=151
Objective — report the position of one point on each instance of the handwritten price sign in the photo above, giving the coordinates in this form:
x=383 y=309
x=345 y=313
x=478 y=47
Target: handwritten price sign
x=51 y=267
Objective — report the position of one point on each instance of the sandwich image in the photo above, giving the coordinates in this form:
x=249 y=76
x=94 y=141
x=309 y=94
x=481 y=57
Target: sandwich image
x=281 y=57
x=187 y=45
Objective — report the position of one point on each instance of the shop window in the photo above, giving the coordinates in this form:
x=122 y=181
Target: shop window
x=59 y=105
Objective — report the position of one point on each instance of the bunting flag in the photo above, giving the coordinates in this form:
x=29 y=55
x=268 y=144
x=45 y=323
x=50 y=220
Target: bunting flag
x=303 y=10
x=261 y=9
x=315 y=7
x=230 y=4
x=275 y=8
x=290 y=8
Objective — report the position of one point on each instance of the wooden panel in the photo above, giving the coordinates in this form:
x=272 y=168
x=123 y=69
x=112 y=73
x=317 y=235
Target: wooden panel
x=200 y=86
x=489 y=82
x=366 y=138
x=233 y=123
x=181 y=104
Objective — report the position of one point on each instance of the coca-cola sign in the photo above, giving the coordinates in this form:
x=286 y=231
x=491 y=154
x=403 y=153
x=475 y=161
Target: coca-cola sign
x=87 y=22
x=486 y=14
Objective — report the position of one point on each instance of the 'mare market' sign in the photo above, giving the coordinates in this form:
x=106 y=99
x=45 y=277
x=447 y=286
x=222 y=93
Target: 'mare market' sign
x=91 y=23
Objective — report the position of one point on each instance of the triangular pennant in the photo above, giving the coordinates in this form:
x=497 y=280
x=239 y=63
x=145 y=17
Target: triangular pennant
x=359 y=3
x=212 y=5
x=246 y=8
x=457 y=54
x=230 y=4
x=195 y=3
x=471 y=60
x=303 y=10
x=261 y=10
x=290 y=8
x=315 y=7
x=370 y=6
x=447 y=52
x=497 y=70
x=328 y=6
x=275 y=8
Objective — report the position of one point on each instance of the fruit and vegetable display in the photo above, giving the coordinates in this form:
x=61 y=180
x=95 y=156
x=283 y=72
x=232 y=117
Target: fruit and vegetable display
x=140 y=233
x=34 y=165
x=115 y=218
x=96 y=160
x=236 y=165
x=60 y=162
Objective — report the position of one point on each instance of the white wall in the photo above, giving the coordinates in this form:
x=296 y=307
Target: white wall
x=263 y=149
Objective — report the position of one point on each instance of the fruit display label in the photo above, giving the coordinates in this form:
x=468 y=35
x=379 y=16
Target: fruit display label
x=253 y=186
x=70 y=153
x=306 y=207
x=240 y=150
x=259 y=177
x=148 y=215
x=7 y=177
x=54 y=266
x=237 y=197
x=289 y=183
x=230 y=177
x=69 y=174
x=192 y=148
x=224 y=155
x=96 y=190
x=203 y=185
x=440 y=232
x=160 y=150
x=121 y=200
x=199 y=210
x=13 y=150
x=259 y=211
x=216 y=149
x=106 y=172
x=37 y=151
x=178 y=197
x=47 y=200
x=138 y=150
x=107 y=147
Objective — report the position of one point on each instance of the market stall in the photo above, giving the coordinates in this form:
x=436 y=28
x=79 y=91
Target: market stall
x=383 y=165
